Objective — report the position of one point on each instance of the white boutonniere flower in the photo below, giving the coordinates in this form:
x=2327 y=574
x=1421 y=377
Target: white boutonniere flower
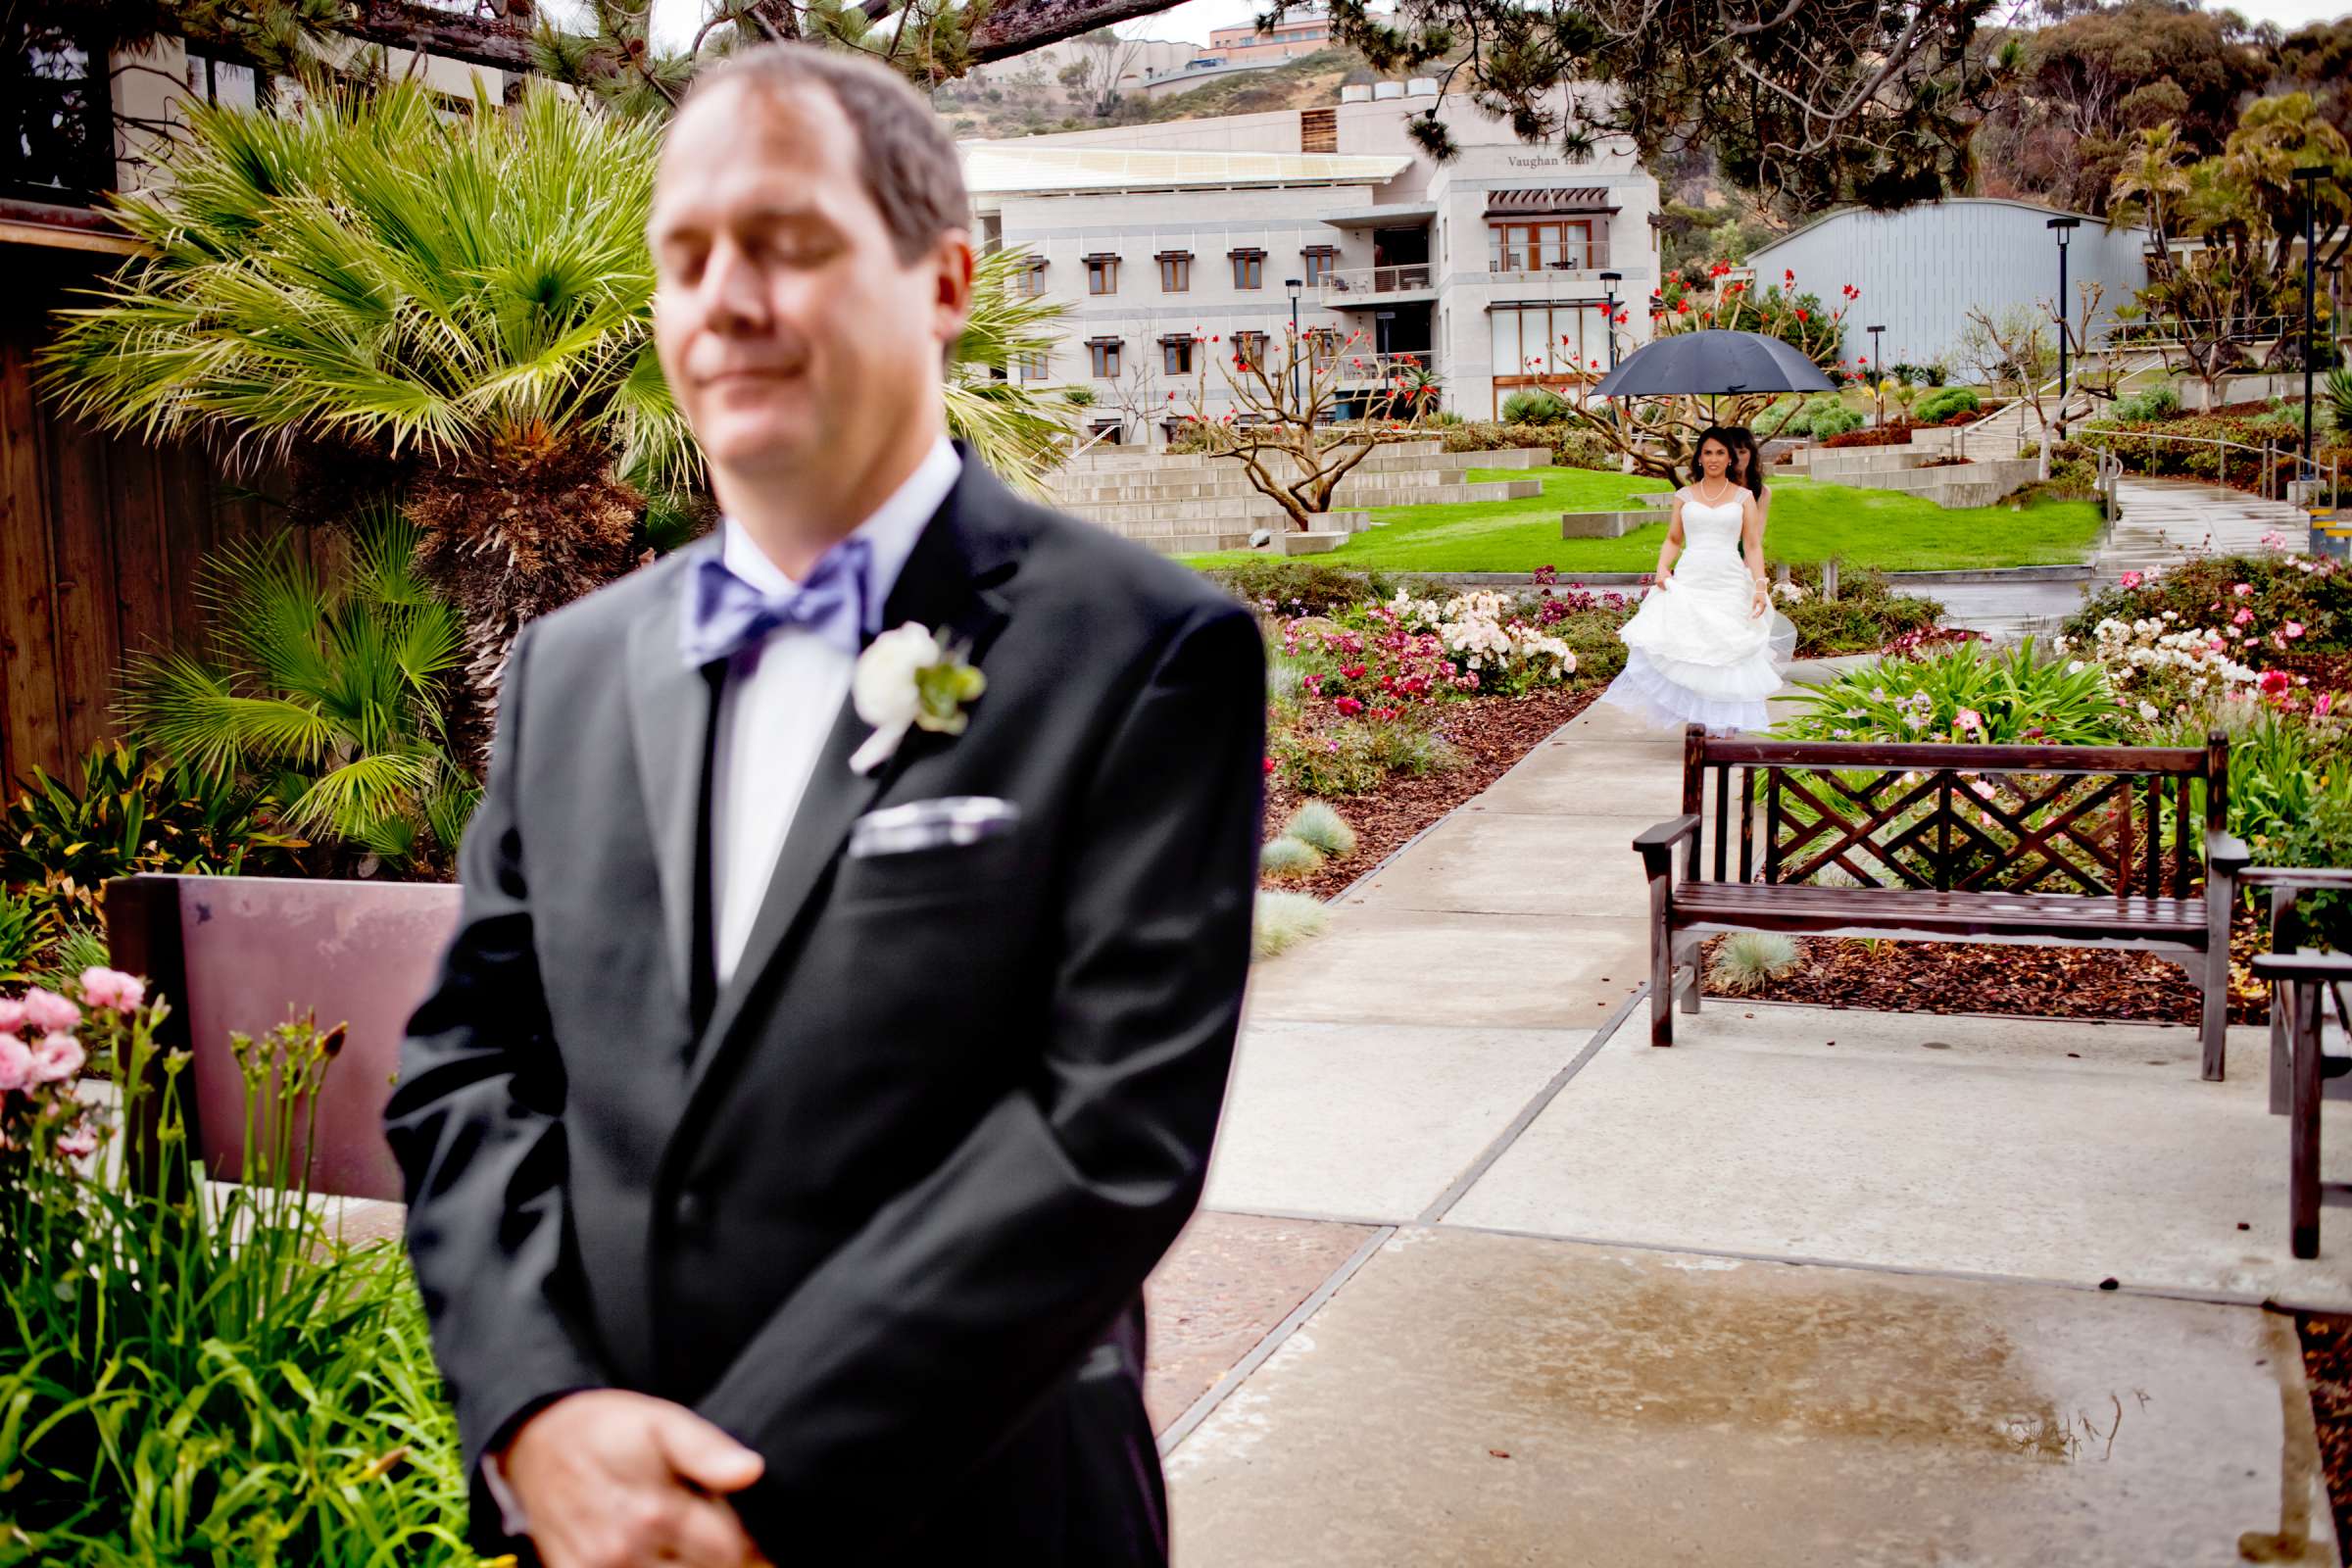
x=909 y=679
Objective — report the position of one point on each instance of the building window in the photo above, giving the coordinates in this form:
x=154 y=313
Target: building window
x=1030 y=281
x=1175 y=272
x=1550 y=340
x=1547 y=247
x=1320 y=261
x=1102 y=274
x=1104 y=352
x=1176 y=356
x=1249 y=269
x=1108 y=430
x=1033 y=366
x=1250 y=348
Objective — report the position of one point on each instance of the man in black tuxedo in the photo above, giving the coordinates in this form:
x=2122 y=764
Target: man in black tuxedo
x=808 y=1091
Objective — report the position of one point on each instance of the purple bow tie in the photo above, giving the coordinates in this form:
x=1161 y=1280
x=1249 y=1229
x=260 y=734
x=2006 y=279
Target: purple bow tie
x=725 y=615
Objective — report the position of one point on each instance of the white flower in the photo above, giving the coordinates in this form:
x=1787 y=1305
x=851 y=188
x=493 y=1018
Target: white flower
x=2147 y=709
x=907 y=677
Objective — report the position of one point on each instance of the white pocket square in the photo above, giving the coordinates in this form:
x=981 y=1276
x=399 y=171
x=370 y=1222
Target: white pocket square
x=953 y=819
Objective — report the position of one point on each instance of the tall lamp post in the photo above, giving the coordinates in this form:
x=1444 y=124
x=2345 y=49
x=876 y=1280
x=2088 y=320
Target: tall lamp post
x=1878 y=374
x=1295 y=284
x=2309 y=178
x=1609 y=281
x=2064 y=228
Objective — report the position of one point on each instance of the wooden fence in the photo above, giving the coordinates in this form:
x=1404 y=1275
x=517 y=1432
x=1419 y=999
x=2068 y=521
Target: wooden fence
x=102 y=539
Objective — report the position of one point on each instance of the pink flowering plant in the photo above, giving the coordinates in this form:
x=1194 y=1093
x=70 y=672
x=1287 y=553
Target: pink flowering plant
x=198 y=1370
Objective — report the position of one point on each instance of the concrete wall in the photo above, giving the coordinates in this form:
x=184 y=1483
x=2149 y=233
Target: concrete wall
x=1921 y=269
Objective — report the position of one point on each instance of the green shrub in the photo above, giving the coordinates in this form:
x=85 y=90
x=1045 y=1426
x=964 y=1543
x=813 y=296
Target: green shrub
x=2322 y=837
x=1833 y=422
x=1533 y=406
x=1934 y=408
x=1745 y=961
x=2160 y=402
x=1570 y=446
x=1355 y=756
x=1299 y=588
x=80 y=948
x=1282 y=920
x=2025 y=697
x=2339 y=399
x=1443 y=419
x=130 y=815
x=1318 y=825
x=1288 y=856
x=1866 y=616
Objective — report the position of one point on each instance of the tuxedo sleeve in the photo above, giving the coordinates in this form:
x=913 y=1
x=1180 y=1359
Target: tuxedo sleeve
x=476 y=1122
x=927 y=1338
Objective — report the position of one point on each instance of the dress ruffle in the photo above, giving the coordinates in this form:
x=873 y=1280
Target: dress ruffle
x=1696 y=654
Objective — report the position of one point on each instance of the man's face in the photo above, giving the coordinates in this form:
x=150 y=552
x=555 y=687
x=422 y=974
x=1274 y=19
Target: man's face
x=788 y=327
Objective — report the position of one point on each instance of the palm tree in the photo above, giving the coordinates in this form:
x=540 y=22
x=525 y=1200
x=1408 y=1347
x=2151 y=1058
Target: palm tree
x=2150 y=186
x=330 y=694
x=454 y=311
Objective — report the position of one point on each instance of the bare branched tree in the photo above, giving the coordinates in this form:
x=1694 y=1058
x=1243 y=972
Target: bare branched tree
x=1282 y=428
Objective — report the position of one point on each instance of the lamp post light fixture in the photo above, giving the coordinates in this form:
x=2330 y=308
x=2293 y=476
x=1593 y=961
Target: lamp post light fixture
x=1878 y=374
x=2309 y=178
x=1295 y=284
x=2064 y=228
x=1609 y=281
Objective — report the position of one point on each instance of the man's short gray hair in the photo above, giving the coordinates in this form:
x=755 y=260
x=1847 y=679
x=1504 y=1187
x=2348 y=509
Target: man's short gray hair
x=906 y=154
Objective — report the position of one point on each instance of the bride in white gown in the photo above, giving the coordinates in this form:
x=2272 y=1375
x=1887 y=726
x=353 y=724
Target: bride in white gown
x=1706 y=647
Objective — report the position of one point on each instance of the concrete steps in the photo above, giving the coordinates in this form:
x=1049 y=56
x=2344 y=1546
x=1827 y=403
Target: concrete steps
x=1980 y=482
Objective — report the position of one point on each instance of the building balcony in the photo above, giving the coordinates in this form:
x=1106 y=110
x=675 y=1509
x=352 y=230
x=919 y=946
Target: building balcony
x=1580 y=262
x=1382 y=285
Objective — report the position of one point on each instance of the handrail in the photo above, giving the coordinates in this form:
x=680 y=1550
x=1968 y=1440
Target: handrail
x=2271 y=456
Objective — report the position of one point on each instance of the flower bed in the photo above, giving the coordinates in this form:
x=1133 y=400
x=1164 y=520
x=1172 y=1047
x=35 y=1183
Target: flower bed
x=2254 y=647
x=1393 y=707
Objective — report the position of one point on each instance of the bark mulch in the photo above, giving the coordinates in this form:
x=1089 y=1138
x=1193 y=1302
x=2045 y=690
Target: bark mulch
x=1492 y=733
x=2034 y=982
x=2328 y=1368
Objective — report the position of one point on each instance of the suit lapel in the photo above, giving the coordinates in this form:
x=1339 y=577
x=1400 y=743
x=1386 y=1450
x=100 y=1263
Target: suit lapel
x=670 y=713
x=948 y=583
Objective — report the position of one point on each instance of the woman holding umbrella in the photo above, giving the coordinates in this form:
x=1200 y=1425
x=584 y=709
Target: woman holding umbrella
x=1706 y=647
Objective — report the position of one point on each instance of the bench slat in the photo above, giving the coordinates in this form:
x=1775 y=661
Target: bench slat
x=1926 y=755
x=1765 y=907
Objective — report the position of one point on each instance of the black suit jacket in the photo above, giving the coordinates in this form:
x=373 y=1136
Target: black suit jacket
x=885 y=1215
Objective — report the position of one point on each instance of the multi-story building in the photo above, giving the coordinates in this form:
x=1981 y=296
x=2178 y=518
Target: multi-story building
x=1496 y=271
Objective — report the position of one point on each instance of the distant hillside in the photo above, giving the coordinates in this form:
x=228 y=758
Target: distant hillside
x=1036 y=103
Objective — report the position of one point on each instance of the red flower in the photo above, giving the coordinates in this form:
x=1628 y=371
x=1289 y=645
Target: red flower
x=1352 y=671
x=1789 y=273
x=1682 y=307
x=1269 y=765
x=1802 y=315
x=1347 y=707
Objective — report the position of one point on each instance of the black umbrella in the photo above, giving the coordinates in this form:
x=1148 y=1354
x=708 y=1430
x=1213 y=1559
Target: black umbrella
x=1704 y=363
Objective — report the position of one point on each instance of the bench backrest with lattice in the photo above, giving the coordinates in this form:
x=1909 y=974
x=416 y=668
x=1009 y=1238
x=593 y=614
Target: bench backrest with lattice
x=2097 y=820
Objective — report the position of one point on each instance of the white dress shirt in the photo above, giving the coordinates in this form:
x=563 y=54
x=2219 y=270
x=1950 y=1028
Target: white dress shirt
x=779 y=703
x=774 y=712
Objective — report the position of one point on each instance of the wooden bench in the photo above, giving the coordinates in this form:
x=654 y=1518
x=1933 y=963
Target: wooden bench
x=2305 y=985
x=2035 y=845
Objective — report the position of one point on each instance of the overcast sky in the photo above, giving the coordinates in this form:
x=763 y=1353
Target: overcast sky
x=675 y=20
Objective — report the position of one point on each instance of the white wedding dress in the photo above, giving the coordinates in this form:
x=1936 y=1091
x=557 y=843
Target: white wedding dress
x=1696 y=654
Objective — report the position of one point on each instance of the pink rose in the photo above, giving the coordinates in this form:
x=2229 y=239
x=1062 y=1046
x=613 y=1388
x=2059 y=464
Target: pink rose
x=2132 y=579
x=2242 y=617
x=12 y=1016
x=57 y=1058
x=50 y=1013
x=2242 y=589
x=1968 y=719
x=2323 y=702
x=111 y=990
x=15 y=1064
x=2273 y=681
x=79 y=1144
x=2294 y=628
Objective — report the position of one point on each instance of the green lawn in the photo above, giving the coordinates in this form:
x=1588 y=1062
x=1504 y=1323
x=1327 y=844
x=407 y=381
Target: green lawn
x=1810 y=521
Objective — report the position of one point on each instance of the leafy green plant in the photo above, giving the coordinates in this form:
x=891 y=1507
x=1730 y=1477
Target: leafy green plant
x=1746 y=962
x=1866 y=616
x=1836 y=419
x=1943 y=403
x=1318 y=824
x=130 y=812
x=2339 y=399
x=2314 y=595
x=2159 y=401
x=2321 y=838
x=216 y=1381
x=1533 y=406
x=1355 y=755
x=27 y=927
x=1963 y=693
x=1282 y=920
x=334 y=693
x=77 y=950
x=1290 y=855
